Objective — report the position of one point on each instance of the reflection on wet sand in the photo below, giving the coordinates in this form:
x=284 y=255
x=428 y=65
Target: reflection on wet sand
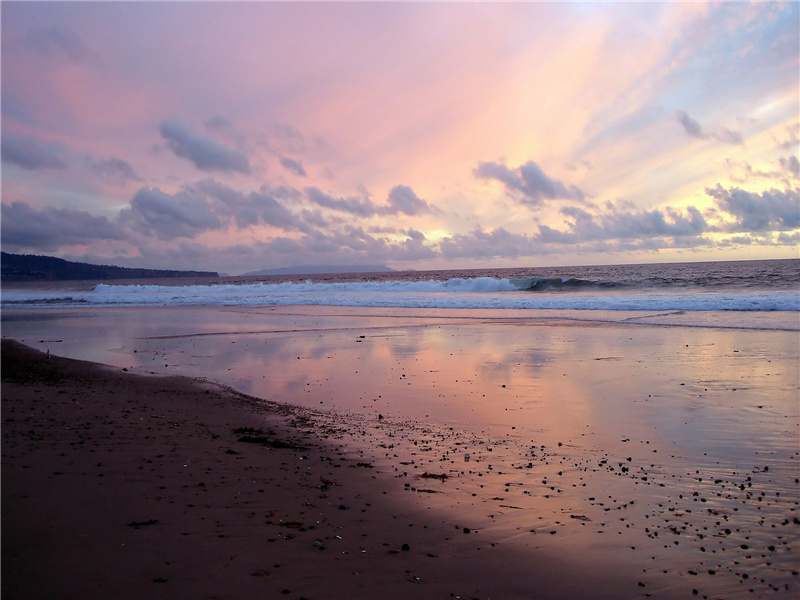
x=672 y=449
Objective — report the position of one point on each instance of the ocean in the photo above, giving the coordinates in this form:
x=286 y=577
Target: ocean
x=751 y=294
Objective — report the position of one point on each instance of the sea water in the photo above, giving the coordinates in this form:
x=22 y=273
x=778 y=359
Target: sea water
x=697 y=294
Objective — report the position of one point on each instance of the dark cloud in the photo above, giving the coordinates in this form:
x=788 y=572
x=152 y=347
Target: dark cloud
x=56 y=41
x=530 y=181
x=166 y=216
x=269 y=210
x=292 y=165
x=313 y=218
x=205 y=152
x=263 y=206
x=48 y=229
x=28 y=153
x=695 y=130
x=789 y=239
x=625 y=225
x=114 y=170
x=772 y=210
x=361 y=207
x=488 y=244
x=402 y=199
x=692 y=127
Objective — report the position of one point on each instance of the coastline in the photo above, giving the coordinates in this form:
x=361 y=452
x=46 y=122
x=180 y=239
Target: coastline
x=660 y=428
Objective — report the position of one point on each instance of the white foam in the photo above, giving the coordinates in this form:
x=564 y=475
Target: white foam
x=475 y=293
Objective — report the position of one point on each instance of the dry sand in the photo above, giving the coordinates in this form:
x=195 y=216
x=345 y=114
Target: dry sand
x=117 y=485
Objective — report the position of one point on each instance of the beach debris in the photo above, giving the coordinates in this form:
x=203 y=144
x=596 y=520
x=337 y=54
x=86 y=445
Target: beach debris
x=253 y=435
x=441 y=476
x=140 y=524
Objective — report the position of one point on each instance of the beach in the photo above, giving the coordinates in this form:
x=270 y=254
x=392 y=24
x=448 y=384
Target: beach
x=321 y=452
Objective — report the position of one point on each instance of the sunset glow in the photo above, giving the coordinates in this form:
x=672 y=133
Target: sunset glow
x=241 y=136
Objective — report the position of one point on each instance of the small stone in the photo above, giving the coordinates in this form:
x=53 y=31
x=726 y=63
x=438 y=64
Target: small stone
x=405 y=547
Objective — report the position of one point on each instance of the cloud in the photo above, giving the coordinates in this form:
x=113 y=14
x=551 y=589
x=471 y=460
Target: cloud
x=51 y=228
x=482 y=244
x=218 y=122
x=789 y=239
x=692 y=127
x=355 y=244
x=402 y=199
x=29 y=154
x=792 y=165
x=695 y=130
x=361 y=207
x=263 y=206
x=293 y=165
x=531 y=181
x=114 y=170
x=205 y=152
x=618 y=225
x=184 y=214
x=772 y=210
x=288 y=138
x=727 y=136
x=56 y=41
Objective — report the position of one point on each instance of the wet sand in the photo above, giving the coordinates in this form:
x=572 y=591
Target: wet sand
x=131 y=486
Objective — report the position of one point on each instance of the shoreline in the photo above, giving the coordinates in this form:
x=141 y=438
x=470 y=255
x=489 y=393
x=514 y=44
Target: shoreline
x=129 y=486
x=617 y=510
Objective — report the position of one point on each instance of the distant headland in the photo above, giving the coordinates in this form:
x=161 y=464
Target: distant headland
x=27 y=267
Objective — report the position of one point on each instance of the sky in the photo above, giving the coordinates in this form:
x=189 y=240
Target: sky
x=238 y=136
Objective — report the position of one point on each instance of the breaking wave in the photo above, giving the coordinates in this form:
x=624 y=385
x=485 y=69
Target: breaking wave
x=474 y=293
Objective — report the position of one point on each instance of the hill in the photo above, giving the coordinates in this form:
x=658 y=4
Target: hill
x=27 y=267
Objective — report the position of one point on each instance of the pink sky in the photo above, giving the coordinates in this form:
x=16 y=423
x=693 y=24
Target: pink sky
x=241 y=136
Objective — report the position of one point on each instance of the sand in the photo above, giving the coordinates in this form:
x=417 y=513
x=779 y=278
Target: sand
x=123 y=486
x=145 y=486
